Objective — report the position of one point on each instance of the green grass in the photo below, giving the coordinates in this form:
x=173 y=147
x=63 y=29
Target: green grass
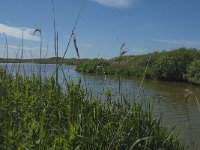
x=36 y=115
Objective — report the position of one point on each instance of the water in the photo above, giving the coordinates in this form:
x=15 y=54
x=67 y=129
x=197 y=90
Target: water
x=168 y=98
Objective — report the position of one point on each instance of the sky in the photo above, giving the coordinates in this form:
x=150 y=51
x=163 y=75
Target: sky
x=104 y=25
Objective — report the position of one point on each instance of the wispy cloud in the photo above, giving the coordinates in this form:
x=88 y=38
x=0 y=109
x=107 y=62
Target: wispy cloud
x=16 y=32
x=16 y=48
x=13 y=49
x=88 y=45
x=115 y=3
x=178 y=42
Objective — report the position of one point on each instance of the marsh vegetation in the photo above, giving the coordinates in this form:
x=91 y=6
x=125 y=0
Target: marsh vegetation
x=41 y=112
x=180 y=64
x=37 y=115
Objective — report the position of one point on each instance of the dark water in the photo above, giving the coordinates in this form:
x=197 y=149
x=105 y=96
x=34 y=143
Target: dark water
x=168 y=98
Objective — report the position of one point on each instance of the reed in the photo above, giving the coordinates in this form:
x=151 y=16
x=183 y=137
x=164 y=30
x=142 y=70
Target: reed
x=55 y=39
x=6 y=47
x=122 y=53
x=53 y=118
x=40 y=32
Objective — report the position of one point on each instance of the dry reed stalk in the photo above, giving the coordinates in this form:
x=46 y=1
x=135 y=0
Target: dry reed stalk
x=122 y=53
x=57 y=63
x=55 y=40
x=40 y=69
x=6 y=46
x=69 y=41
x=187 y=95
x=73 y=30
x=75 y=45
x=197 y=103
x=129 y=111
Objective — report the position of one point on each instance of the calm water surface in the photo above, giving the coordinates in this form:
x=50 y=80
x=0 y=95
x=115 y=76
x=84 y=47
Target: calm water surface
x=168 y=98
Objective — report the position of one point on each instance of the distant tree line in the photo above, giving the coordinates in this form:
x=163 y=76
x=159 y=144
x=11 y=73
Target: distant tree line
x=52 y=60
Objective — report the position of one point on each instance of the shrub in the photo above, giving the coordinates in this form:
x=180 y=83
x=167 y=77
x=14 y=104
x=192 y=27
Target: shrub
x=193 y=72
x=172 y=65
x=93 y=66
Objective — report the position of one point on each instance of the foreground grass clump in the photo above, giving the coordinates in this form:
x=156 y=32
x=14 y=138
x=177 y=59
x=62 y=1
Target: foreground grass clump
x=35 y=116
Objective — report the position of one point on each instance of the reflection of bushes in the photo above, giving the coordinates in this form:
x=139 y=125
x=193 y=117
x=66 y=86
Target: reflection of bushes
x=193 y=72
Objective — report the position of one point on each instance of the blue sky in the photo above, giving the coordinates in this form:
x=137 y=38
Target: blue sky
x=145 y=25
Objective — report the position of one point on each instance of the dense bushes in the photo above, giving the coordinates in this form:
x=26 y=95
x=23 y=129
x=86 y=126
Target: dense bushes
x=94 y=66
x=100 y=66
x=172 y=65
x=193 y=72
x=166 y=65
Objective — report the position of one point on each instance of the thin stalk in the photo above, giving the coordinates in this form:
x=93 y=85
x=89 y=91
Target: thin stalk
x=31 y=56
x=122 y=53
x=189 y=127
x=57 y=63
x=46 y=59
x=129 y=111
x=197 y=103
x=22 y=52
x=40 y=68
x=17 y=118
x=187 y=95
x=16 y=58
x=75 y=25
x=55 y=40
x=4 y=55
x=6 y=51
x=71 y=36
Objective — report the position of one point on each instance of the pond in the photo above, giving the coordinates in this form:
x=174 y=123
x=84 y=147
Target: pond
x=168 y=98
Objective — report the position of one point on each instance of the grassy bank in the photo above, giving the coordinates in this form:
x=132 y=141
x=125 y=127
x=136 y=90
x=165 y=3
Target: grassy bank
x=38 y=115
x=177 y=65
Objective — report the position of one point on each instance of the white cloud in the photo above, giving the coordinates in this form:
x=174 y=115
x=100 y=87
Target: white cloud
x=178 y=42
x=115 y=3
x=16 y=32
x=14 y=47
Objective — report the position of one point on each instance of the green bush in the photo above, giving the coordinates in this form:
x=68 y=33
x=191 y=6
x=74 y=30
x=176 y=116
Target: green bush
x=193 y=72
x=93 y=66
x=172 y=65
x=165 y=65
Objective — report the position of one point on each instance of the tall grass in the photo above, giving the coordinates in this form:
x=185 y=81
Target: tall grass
x=54 y=118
